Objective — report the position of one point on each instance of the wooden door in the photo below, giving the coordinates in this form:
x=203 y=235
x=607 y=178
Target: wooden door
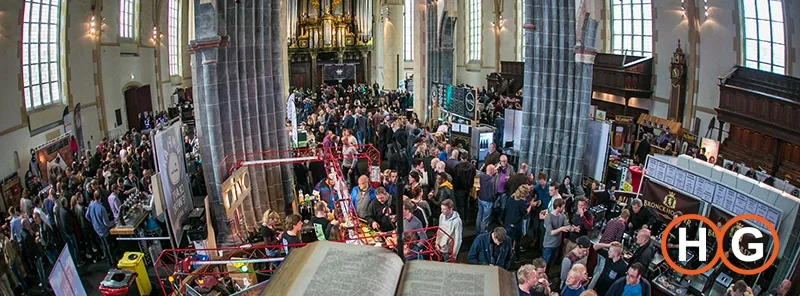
x=137 y=101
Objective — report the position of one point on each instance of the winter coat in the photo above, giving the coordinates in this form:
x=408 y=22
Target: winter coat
x=453 y=226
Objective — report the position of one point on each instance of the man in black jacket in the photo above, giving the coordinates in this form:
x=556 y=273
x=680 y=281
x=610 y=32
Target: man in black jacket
x=463 y=181
x=33 y=251
x=380 y=215
x=64 y=219
x=647 y=249
x=643 y=150
x=641 y=217
x=361 y=126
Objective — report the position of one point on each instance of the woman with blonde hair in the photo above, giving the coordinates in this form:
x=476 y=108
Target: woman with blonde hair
x=270 y=228
x=516 y=209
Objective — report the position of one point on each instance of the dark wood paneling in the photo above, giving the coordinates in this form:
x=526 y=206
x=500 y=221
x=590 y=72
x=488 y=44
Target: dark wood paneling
x=623 y=76
x=762 y=109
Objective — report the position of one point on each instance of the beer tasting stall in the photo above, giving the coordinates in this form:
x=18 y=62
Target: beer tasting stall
x=692 y=186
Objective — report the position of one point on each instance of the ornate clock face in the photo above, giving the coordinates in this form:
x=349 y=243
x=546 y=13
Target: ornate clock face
x=173 y=168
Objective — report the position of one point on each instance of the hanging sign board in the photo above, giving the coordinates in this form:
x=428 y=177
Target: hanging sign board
x=174 y=179
x=710 y=191
x=664 y=202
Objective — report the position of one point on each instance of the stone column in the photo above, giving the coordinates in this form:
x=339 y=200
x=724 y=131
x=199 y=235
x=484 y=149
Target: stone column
x=314 y=82
x=366 y=66
x=421 y=41
x=240 y=107
x=392 y=43
x=557 y=88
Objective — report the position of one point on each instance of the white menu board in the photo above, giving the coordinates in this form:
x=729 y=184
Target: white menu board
x=724 y=197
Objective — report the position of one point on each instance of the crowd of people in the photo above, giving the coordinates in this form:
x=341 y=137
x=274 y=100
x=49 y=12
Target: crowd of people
x=436 y=180
x=76 y=206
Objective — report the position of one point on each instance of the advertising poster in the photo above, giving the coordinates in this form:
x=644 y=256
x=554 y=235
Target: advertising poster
x=12 y=191
x=174 y=180
x=67 y=120
x=291 y=114
x=64 y=278
x=664 y=202
x=54 y=157
x=712 y=149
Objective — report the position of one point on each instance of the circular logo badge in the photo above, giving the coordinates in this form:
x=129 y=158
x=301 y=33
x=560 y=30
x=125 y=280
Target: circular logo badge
x=469 y=101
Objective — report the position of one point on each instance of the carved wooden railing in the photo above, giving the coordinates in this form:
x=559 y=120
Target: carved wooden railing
x=761 y=101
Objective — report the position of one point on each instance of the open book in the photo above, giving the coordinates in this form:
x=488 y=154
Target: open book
x=326 y=268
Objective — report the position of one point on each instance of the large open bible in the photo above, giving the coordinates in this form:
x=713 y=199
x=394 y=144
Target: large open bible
x=337 y=269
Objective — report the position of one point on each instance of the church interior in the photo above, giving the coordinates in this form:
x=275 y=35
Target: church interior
x=638 y=95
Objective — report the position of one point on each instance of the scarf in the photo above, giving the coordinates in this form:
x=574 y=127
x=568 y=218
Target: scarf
x=446 y=184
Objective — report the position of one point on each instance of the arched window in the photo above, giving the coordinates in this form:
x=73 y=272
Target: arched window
x=41 y=53
x=632 y=27
x=408 y=30
x=172 y=36
x=764 y=36
x=474 y=30
x=127 y=19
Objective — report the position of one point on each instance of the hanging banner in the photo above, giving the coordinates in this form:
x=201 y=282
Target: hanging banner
x=67 y=120
x=76 y=118
x=664 y=202
x=54 y=157
x=291 y=114
x=174 y=180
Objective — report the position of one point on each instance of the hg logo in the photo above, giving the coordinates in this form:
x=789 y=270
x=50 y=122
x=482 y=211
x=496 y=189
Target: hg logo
x=684 y=243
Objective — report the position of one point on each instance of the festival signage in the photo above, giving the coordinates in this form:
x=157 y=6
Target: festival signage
x=665 y=202
x=54 y=156
x=64 y=278
x=67 y=120
x=235 y=190
x=709 y=190
x=174 y=180
x=291 y=114
x=459 y=101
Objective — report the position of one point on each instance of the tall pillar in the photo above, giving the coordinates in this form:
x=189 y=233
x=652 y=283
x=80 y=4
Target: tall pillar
x=421 y=42
x=392 y=43
x=366 y=65
x=239 y=102
x=314 y=82
x=557 y=87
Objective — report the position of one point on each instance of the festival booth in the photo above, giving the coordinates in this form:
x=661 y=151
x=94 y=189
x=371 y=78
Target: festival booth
x=624 y=129
x=671 y=128
x=170 y=201
x=183 y=270
x=692 y=186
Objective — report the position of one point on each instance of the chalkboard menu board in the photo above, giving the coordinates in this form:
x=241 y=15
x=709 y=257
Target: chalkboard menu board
x=459 y=101
x=722 y=196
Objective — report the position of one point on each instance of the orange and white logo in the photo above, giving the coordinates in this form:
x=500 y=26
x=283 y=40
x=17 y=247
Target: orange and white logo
x=757 y=249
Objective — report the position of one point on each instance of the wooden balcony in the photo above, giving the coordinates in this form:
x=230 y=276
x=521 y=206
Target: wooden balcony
x=624 y=76
x=762 y=108
x=761 y=101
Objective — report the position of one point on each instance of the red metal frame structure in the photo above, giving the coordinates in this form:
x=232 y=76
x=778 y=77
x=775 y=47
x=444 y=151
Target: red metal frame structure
x=178 y=263
x=180 y=259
